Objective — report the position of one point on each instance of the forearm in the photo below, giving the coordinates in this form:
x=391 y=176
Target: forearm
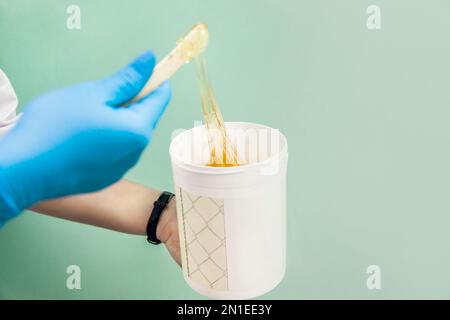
x=124 y=207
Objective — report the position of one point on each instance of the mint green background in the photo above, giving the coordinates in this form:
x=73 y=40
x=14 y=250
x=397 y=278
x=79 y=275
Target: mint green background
x=366 y=115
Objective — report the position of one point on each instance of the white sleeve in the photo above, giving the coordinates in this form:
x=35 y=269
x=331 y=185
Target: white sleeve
x=8 y=104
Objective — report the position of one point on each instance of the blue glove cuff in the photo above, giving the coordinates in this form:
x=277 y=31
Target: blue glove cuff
x=8 y=207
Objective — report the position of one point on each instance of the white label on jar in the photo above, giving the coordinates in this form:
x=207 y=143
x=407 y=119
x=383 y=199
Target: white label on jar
x=203 y=227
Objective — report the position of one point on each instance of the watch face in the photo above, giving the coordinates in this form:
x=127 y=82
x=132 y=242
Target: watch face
x=166 y=196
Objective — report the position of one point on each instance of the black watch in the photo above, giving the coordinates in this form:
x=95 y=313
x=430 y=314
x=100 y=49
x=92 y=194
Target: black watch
x=158 y=207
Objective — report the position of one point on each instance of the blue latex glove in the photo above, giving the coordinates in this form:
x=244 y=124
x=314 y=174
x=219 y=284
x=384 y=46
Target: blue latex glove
x=78 y=139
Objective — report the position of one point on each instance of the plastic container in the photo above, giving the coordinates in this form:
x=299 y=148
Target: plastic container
x=232 y=220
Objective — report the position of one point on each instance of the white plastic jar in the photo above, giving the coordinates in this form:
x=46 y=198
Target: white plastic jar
x=232 y=220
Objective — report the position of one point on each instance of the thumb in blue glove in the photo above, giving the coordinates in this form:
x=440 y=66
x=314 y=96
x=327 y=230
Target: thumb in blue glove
x=78 y=139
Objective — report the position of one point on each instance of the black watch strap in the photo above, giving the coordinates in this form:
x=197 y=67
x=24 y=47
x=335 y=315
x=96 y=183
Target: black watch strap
x=158 y=208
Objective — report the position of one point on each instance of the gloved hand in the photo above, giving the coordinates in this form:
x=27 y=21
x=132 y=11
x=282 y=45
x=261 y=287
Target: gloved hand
x=78 y=139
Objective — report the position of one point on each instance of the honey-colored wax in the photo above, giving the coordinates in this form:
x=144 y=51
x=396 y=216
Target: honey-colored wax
x=223 y=152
